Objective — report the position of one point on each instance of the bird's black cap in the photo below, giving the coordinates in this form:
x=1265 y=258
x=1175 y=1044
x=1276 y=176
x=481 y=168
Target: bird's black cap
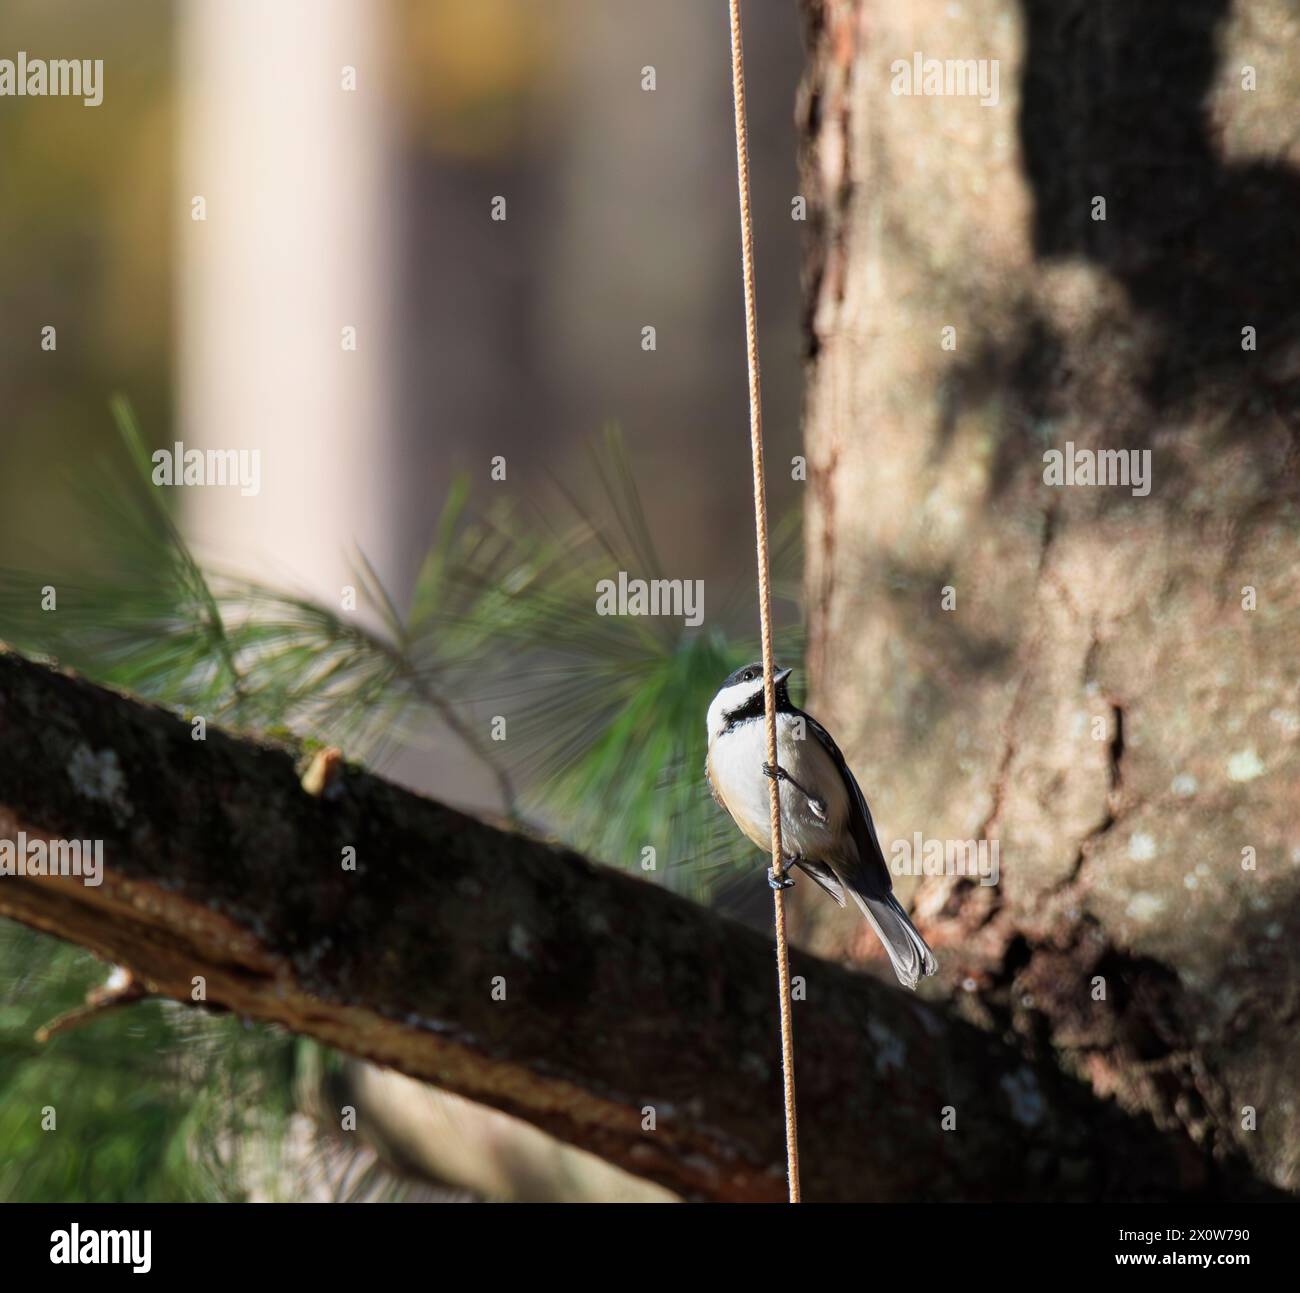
x=751 y=672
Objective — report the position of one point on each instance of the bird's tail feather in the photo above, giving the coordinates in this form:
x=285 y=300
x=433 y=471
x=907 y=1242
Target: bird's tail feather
x=909 y=953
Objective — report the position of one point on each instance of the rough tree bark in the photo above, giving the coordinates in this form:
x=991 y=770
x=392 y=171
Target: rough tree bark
x=619 y=996
x=1115 y=697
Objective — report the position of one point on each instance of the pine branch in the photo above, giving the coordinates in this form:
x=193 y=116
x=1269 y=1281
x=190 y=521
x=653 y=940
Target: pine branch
x=619 y=997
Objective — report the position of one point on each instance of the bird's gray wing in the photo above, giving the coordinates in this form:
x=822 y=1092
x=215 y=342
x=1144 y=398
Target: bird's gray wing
x=871 y=878
x=824 y=876
x=869 y=883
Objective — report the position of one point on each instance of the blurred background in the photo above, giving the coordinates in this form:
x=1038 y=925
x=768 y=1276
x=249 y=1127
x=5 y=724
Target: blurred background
x=347 y=154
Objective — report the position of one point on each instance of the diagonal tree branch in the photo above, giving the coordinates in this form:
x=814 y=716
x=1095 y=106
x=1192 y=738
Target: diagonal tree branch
x=620 y=998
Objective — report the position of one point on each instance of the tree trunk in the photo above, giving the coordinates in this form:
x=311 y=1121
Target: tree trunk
x=1102 y=680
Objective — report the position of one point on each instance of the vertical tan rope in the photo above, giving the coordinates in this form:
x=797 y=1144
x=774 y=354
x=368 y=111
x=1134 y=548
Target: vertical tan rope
x=764 y=593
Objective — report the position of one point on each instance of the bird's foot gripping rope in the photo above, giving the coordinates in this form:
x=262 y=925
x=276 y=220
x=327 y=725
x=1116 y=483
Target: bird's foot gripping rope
x=777 y=773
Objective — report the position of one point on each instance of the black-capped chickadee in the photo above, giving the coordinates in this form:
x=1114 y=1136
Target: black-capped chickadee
x=826 y=827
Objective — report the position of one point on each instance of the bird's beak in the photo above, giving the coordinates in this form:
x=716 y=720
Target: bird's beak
x=780 y=676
